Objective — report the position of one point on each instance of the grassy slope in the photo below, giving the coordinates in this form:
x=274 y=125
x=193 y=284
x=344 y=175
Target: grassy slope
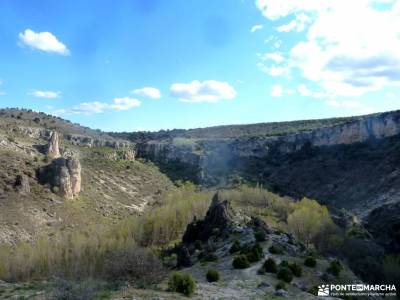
x=111 y=189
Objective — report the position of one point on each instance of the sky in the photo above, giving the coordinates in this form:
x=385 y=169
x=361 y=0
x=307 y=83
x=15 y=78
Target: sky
x=131 y=65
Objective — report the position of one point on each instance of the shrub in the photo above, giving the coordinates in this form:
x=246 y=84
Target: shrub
x=270 y=266
x=284 y=263
x=261 y=271
x=310 y=262
x=280 y=286
x=275 y=249
x=235 y=247
x=133 y=263
x=259 y=235
x=335 y=267
x=296 y=269
x=181 y=283
x=210 y=256
x=285 y=274
x=255 y=253
x=313 y=290
x=240 y=262
x=198 y=245
x=308 y=219
x=82 y=290
x=212 y=275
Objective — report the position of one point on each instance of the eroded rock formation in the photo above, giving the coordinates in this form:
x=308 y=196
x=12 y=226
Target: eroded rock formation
x=64 y=175
x=219 y=219
x=53 y=150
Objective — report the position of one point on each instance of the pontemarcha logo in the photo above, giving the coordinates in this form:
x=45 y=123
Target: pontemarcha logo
x=323 y=290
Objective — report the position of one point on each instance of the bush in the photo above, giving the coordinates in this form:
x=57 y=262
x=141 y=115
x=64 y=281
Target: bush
x=259 y=235
x=284 y=263
x=132 y=263
x=275 y=249
x=82 y=290
x=210 y=256
x=285 y=274
x=255 y=253
x=335 y=267
x=280 y=286
x=310 y=262
x=236 y=247
x=240 y=262
x=212 y=275
x=181 y=283
x=270 y=266
x=198 y=245
x=296 y=269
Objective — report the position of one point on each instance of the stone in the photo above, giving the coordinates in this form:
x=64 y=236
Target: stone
x=281 y=293
x=53 y=150
x=22 y=184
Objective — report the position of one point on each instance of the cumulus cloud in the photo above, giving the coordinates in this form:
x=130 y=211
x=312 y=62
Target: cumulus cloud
x=124 y=103
x=256 y=27
x=350 y=104
x=206 y=91
x=298 y=24
x=350 y=48
x=276 y=91
x=95 y=107
x=44 y=94
x=273 y=56
x=149 y=92
x=43 y=41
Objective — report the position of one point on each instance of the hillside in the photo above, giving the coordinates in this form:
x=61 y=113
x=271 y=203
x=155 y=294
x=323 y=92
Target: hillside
x=112 y=213
x=113 y=188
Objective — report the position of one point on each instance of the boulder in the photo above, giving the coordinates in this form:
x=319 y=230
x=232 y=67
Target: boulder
x=22 y=184
x=53 y=150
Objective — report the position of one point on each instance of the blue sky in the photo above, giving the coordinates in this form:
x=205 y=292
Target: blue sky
x=157 y=64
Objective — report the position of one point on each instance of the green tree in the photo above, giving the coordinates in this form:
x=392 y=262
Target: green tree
x=308 y=219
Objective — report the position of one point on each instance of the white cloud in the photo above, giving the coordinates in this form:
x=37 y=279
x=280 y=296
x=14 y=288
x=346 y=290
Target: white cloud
x=256 y=27
x=124 y=103
x=304 y=91
x=149 y=92
x=349 y=49
x=274 y=70
x=44 y=94
x=94 y=107
x=205 y=91
x=44 y=41
x=298 y=24
x=274 y=56
x=350 y=104
x=276 y=91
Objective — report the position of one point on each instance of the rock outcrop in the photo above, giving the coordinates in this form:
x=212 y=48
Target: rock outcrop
x=53 y=150
x=64 y=175
x=22 y=184
x=219 y=219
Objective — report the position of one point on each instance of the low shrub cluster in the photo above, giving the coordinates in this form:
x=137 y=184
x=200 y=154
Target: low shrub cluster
x=275 y=249
x=335 y=267
x=182 y=283
x=270 y=266
x=285 y=274
x=240 y=262
x=212 y=275
x=310 y=261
